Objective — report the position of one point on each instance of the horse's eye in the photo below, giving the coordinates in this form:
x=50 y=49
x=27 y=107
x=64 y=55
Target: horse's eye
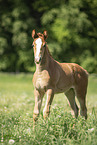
x=44 y=45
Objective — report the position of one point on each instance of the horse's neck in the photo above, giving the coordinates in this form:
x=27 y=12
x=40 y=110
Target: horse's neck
x=45 y=61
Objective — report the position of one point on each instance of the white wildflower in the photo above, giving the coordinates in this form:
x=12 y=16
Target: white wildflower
x=59 y=116
x=91 y=130
x=27 y=114
x=2 y=139
x=29 y=130
x=11 y=141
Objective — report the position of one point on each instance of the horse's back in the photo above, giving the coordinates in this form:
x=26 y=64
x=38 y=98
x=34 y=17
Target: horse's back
x=80 y=74
x=65 y=78
x=81 y=80
x=71 y=75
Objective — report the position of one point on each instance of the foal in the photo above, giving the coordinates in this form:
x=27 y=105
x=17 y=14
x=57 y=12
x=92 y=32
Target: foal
x=52 y=77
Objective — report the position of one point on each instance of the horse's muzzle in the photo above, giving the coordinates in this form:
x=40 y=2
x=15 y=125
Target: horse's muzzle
x=38 y=60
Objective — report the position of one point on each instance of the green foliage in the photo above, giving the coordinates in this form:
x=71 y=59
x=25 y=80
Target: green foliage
x=71 y=26
x=15 y=41
x=88 y=62
x=16 y=111
x=3 y=45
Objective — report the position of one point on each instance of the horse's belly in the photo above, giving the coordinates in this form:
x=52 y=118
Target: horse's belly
x=61 y=90
x=64 y=85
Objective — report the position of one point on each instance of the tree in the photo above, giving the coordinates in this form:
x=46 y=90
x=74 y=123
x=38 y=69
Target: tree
x=15 y=36
x=71 y=27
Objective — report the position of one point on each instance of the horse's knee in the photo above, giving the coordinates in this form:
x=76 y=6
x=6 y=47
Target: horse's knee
x=46 y=114
x=76 y=111
x=35 y=117
x=83 y=112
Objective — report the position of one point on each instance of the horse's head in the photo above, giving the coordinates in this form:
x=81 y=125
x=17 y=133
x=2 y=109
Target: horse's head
x=39 y=44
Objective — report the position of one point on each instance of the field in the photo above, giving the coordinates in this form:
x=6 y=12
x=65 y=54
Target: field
x=61 y=128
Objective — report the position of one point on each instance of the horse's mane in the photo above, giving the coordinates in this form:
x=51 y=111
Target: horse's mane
x=48 y=50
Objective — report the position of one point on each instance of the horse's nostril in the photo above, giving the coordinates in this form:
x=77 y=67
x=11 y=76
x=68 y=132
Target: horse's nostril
x=37 y=60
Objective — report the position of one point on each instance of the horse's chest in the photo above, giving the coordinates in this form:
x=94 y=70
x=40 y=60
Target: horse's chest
x=41 y=80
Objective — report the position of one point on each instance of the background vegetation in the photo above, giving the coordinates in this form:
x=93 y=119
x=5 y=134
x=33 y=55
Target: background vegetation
x=16 y=116
x=71 y=26
x=72 y=37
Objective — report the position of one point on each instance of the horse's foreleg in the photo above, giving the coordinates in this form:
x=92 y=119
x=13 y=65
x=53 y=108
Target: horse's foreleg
x=50 y=95
x=38 y=102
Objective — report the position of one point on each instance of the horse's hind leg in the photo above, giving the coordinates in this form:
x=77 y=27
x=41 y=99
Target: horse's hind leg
x=71 y=98
x=81 y=95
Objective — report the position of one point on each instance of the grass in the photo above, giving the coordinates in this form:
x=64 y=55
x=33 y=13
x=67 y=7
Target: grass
x=16 y=122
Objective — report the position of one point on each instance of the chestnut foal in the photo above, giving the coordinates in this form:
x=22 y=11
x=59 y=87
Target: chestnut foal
x=52 y=77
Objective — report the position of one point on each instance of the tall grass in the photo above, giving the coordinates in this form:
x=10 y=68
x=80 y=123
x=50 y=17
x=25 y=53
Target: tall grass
x=61 y=128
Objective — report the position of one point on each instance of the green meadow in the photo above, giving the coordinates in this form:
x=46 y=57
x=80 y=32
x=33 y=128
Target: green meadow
x=61 y=128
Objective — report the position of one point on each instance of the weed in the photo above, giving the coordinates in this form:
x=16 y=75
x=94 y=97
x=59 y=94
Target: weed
x=61 y=128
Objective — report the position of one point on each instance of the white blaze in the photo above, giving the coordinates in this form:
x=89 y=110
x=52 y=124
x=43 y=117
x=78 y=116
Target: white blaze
x=38 y=47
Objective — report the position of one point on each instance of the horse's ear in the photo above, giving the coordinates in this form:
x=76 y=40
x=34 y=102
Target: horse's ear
x=45 y=34
x=34 y=34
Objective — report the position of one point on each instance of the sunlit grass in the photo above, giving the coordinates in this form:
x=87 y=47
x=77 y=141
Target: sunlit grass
x=16 y=109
